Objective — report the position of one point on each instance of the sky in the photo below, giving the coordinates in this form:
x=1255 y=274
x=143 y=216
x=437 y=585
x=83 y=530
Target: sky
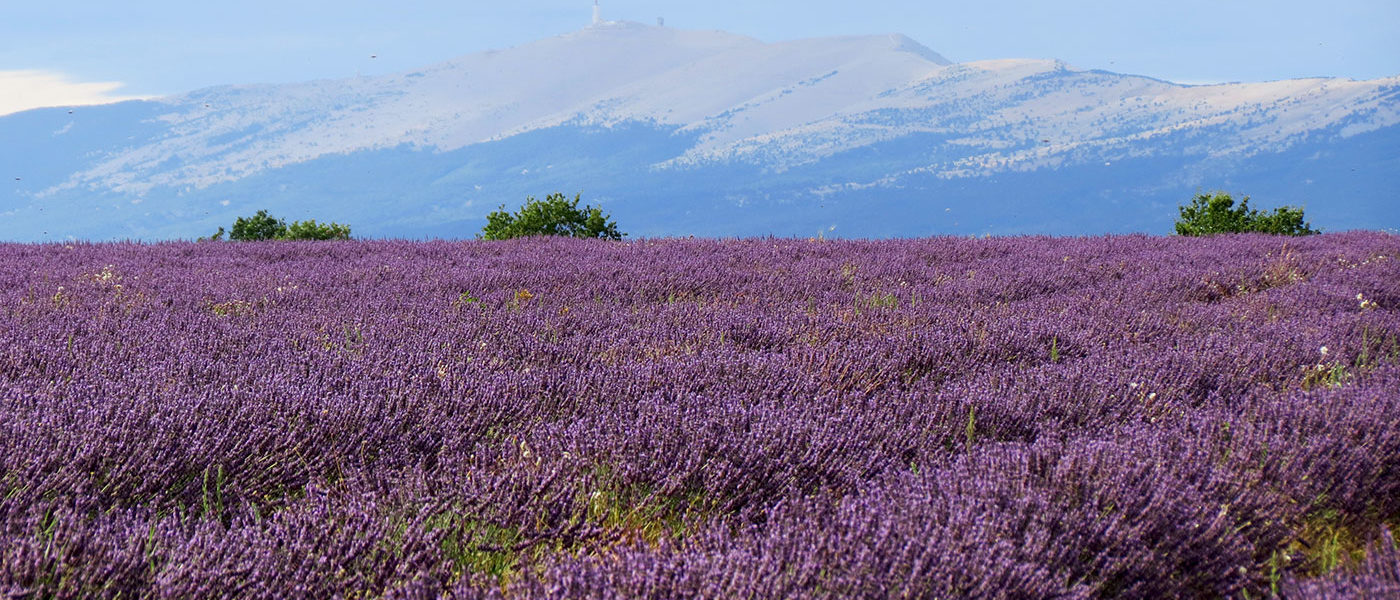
x=91 y=51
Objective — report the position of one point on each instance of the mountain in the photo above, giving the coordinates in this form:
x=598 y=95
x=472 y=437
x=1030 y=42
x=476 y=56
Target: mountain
x=681 y=132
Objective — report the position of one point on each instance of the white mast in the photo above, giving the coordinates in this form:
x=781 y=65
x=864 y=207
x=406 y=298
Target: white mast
x=597 y=13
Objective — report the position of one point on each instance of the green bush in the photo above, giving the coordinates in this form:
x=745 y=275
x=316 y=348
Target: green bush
x=262 y=226
x=311 y=230
x=1217 y=213
x=552 y=216
x=257 y=228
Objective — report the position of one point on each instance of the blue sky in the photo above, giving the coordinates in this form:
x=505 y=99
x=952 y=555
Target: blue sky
x=81 y=50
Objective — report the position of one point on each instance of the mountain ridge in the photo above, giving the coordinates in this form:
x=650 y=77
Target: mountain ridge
x=801 y=121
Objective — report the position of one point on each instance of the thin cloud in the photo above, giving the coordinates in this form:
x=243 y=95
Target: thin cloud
x=23 y=90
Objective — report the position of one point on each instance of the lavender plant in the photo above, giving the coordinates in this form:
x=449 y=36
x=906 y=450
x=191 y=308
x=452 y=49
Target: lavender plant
x=1120 y=417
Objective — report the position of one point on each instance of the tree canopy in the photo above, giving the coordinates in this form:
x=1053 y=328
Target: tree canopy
x=258 y=227
x=263 y=226
x=554 y=215
x=1209 y=214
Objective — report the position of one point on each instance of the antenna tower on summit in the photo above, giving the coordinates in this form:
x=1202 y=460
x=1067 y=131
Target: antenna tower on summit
x=597 y=13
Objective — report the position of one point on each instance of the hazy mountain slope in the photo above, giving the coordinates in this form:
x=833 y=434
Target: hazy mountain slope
x=695 y=132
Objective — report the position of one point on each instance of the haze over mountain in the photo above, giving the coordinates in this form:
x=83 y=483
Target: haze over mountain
x=681 y=132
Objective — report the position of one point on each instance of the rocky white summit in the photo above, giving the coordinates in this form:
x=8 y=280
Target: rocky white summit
x=708 y=132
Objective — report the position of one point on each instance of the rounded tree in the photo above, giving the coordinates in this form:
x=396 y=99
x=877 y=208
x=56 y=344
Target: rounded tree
x=1209 y=214
x=263 y=226
x=554 y=215
x=258 y=227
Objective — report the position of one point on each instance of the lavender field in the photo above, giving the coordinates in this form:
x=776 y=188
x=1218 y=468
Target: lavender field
x=1118 y=417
